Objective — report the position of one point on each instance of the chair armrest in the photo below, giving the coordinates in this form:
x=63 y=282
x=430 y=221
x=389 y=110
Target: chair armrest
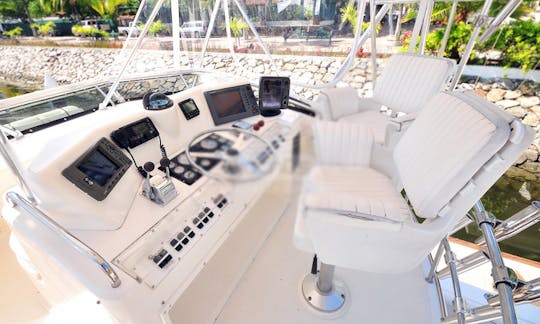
x=342 y=143
x=338 y=102
x=395 y=128
x=405 y=119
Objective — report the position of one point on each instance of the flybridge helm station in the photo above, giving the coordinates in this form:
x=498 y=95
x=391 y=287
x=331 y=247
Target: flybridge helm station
x=100 y=168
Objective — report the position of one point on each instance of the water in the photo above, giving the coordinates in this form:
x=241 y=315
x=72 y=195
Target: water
x=506 y=197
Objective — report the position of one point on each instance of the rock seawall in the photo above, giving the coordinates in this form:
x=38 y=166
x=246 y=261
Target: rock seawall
x=68 y=65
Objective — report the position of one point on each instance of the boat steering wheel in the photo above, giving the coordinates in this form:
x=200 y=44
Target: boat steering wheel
x=243 y=156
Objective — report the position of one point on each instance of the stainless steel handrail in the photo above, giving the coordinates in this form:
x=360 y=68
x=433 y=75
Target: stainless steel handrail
x=499 y=271
x=84 y=249
x=527 y=292
x=516 y=224
x=459 y=302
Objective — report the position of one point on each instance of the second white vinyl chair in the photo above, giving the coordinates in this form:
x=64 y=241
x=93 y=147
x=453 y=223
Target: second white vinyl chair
x=354 y=216
x=406 y=84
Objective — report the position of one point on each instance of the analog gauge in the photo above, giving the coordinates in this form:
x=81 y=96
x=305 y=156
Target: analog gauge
x=204 y=163
x=209 y=144
x=189 y=175
x=182 y=159
x=179 y=169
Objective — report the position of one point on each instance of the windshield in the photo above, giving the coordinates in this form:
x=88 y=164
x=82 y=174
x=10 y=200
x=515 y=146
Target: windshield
x=48 y=112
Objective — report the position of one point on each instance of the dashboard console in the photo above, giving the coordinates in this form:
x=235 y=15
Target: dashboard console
x=230 y=104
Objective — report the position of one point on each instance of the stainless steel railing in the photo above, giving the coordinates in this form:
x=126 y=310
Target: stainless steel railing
x=499 y=272
x=510 y=290
x=85 y=250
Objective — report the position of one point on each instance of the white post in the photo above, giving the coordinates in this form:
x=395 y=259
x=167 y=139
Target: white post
x=175 y=32
x=373 y=22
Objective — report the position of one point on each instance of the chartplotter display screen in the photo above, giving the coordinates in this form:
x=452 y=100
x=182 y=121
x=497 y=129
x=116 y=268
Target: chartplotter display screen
x=231 y=104
x=228 y=103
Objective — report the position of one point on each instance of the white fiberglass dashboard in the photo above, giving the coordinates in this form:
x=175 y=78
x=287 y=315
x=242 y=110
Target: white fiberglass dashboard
x=158 y=250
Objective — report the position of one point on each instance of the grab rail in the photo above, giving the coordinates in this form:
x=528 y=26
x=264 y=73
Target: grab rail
x=84 y=249
x=512 y=226
x=499 y=272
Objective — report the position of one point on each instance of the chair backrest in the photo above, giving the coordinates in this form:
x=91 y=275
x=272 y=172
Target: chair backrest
x=456 y=138
x=408 y=81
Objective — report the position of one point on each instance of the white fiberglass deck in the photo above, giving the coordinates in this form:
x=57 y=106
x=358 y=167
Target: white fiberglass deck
x=269 y=291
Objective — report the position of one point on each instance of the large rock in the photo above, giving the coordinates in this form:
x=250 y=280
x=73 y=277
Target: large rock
x=527 y=102
x=495 y=95
x=512 y=94
x=531 y=155
x=507 y=103
x=517 y=111
x=531 y=119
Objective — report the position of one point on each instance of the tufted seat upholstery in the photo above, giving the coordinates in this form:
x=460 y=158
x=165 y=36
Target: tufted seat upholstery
x=407 y=83
x=354 y=216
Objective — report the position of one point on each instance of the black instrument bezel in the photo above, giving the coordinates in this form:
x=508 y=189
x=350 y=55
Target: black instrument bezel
x=85 y=183
x=248 y=100
x=189 y=115
x=126 y=137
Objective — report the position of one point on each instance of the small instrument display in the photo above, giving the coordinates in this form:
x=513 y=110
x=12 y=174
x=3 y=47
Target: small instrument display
x=273 y=95
x=135 y=134
x=98 y=170
x=189 y=108
x=230 y=104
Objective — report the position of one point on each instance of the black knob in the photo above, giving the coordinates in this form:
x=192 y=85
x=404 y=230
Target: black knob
x=149 y=166
x=164 y=162
x=232 y=152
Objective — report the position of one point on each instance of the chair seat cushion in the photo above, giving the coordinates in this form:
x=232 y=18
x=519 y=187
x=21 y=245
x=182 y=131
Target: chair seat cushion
x=358 y=189
x=354 y=185
x=372 y=119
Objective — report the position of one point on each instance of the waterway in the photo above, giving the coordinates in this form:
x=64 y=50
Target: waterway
x=506 y=197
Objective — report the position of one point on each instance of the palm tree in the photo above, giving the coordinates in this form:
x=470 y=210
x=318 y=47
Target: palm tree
x=237 y=27
x=106 y=8
x=349 y=14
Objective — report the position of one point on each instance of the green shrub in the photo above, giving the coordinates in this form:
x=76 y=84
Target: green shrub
x=88 y=31
x=457 y=40
x=46 y=29
x=156 y=28
x=17 y=31
x=519 y=44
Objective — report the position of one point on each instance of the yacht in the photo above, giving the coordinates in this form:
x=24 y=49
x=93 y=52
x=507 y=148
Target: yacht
x=192 y=196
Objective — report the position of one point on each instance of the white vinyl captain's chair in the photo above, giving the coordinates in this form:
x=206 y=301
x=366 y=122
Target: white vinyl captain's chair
x=406 y=84
x=352 y=215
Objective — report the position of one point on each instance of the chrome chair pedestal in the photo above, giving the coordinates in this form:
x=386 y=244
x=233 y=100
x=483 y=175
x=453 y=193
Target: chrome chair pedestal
x=320 y=292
